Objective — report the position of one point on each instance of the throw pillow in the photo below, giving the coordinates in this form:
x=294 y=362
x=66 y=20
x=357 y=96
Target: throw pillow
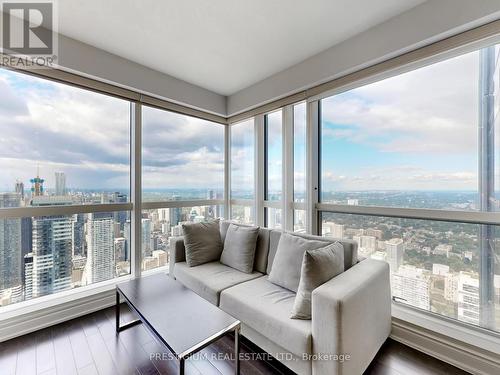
x=202 y=242
x=239 y=247
x=287 y=263
x=318 y=266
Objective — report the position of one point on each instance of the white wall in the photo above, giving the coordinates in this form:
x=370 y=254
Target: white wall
x=429 y=22
x=82 y=58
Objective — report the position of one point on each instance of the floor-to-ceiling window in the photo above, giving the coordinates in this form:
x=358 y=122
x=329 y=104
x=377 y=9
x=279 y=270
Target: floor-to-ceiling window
x=273 y=172
x=242 y=159
x=64 y=187
x=182 y=178
x=403 y=162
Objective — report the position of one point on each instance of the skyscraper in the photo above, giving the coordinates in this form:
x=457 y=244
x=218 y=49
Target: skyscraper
x=20 y=188
x=120 y=249
x=10 y=247
x=175 y=213
x=28 y=276
x=78 y=235
x=120 y=216
x=395 y=252
x=146 y=237
x=60 y=183
x=52 y=248
x=37 y=185
x=100 y=248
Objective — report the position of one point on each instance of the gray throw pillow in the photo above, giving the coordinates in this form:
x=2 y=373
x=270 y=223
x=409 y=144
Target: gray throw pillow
x=202 y=242
x=287 y=263
x=318 y=266
x=239 y=247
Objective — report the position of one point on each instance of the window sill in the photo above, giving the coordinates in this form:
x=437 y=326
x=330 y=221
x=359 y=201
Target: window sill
x=442 y=326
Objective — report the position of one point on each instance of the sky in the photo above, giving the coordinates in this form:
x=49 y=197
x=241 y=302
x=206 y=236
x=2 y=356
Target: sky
x=415 y=131
x=87 y=135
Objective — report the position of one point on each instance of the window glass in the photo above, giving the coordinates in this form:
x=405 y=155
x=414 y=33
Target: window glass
x=60 y=144
x=242 y=160
x=407 y=141
x=43 y=255
x=273 y=156
x=182 y=157
x=159 y=225
x=243 y=214
x=274 y=218
x=435 y=265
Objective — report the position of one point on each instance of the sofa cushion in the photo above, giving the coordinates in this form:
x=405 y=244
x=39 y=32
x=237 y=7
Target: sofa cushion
x=261 y=249
x=239 y=247
x=209 y=279
x=202 y=242
x=318 y=266
x=266 y=307
x=350 y=248
x=288 y=260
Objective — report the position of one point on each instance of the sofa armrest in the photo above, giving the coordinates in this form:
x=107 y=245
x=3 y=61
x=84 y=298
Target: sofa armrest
x=351 y=316
x=177 y=253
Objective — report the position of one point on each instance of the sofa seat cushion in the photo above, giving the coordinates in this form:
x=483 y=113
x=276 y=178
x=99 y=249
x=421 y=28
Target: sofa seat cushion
x=210 y=279
x=265 y=307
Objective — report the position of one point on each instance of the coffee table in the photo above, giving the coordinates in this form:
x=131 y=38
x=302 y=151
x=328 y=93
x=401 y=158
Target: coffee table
x=180 y=319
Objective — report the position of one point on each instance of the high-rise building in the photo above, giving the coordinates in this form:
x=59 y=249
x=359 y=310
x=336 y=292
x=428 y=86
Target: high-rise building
x=20 y=188
x=78 y=241
x=120 y=216
x=120 y=249
x=175 y=213
x=28 y=276
x=468 y=298
x=52 y=248
x=10 y=247
x=395 y=251
x=146 y=237
x=37 y=185
x=100 y=248
x=126 y=234
x=411 y=285
x=60 y=183
x=334 y=230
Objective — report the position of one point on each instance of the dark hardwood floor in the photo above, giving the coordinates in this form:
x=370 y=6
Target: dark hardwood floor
x=89 y=346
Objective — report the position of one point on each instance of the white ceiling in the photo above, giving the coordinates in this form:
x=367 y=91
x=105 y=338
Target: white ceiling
x=221 y=45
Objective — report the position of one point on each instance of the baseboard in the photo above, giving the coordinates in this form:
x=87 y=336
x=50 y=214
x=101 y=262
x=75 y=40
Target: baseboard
x=457 y=353
x=27 y=323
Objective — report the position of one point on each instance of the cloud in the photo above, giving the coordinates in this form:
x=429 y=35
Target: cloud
x=433 y=109
x=87 y=136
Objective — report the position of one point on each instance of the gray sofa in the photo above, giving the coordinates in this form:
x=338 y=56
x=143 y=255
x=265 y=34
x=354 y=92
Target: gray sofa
x=351 y=313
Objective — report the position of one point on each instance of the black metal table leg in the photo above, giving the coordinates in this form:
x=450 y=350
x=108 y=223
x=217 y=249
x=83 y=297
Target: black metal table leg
x=182 y=364
x=237 y=350
x=120 y=328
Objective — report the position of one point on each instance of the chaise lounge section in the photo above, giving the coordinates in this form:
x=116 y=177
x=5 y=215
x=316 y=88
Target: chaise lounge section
x=351 y=313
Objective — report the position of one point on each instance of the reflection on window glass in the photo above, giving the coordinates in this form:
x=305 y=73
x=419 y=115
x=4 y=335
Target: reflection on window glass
x=299 y=152
x=242 y=160
x=434 y=264
x=43 y=255
x=274 y=154
x=407 y=141
x=274 y=218
x=243 y=214
x=61 y=144
x=159 y=225
x=182 y=157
